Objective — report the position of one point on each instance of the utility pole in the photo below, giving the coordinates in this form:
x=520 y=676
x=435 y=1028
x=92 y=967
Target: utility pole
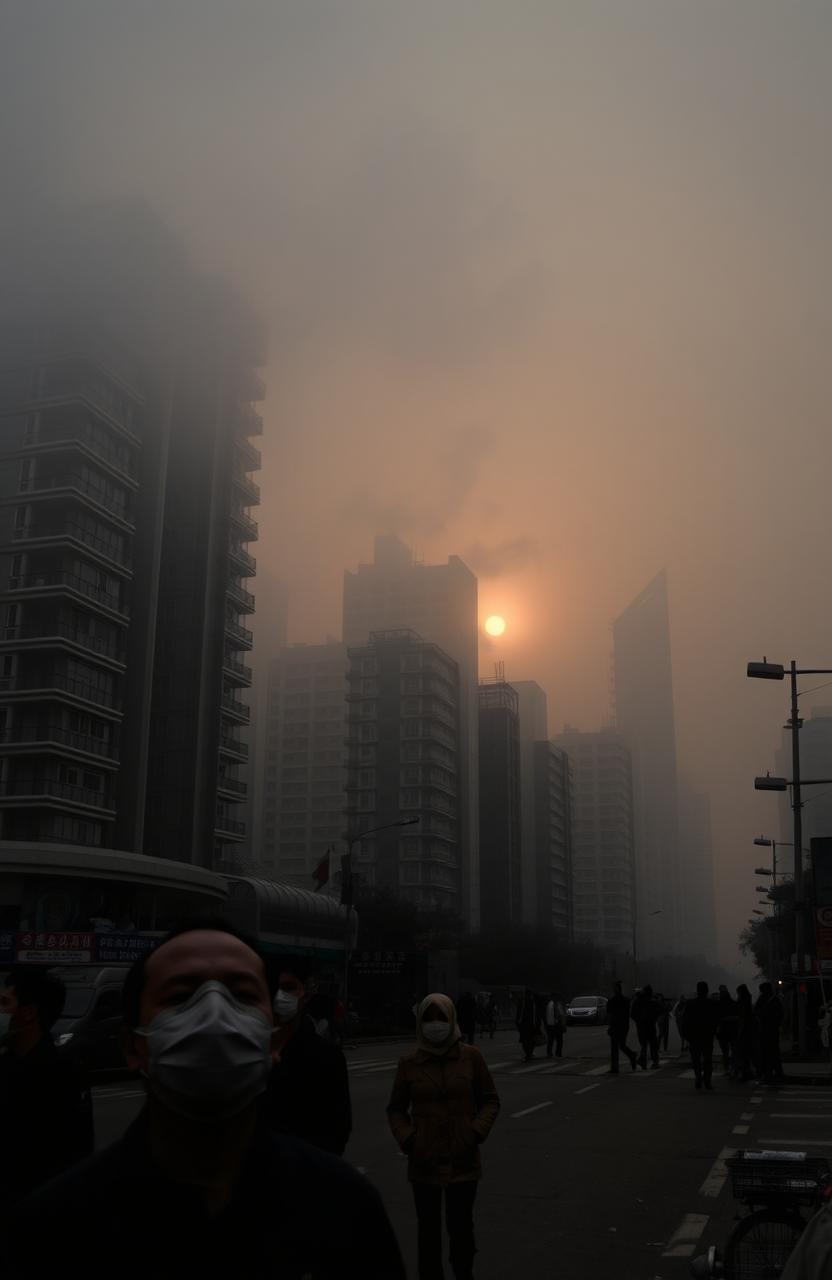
x=799 y=904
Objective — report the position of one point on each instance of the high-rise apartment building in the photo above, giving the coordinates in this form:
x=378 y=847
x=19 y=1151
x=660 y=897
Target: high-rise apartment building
x=700 y=936
x=501 y=867
x=302 y=801
x=644 y=716
x=533 y=726
x=603 y=862
x=404 y=744
x=126 y=411
x=439 y=603
x=552 y=838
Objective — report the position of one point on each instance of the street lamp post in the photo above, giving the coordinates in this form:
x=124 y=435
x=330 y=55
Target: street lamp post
x=347 y=893
x=766 y=670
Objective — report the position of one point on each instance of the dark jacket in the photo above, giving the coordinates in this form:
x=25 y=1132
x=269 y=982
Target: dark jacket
x=296 y=1212
x=644 y=1011
x=466 y=1012
x=45 y=1118
x=441 y=1108
x=618 y=1015
x=700 y=1020
x=309 y=1091
x=769 y=1013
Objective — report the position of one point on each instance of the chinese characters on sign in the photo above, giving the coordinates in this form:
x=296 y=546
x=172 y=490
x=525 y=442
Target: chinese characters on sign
x=54 y=948
x=379 y=963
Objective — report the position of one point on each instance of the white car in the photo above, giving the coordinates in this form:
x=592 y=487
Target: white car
x=589 y=1009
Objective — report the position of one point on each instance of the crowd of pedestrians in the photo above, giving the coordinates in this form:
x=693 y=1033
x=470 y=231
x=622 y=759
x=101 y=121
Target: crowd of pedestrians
x=248 y=1111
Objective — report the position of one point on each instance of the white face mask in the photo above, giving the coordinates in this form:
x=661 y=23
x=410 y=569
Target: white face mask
x=285 y=1006
x=436 y=1032
x=210 y=1056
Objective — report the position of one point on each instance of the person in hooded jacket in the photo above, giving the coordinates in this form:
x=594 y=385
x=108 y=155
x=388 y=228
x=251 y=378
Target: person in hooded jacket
x=441 y=1109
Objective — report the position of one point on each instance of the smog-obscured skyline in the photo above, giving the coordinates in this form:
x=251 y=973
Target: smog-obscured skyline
x=548 y=288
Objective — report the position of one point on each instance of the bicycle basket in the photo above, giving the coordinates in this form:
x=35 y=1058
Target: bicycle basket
x=758 y=1179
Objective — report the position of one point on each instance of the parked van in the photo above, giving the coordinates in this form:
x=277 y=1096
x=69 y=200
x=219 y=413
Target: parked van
x=90 y=1024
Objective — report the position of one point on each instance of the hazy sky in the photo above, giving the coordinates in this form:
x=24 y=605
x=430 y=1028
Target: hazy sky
x=548 y=285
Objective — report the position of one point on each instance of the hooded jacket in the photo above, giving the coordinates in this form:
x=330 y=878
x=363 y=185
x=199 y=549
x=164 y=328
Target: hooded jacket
x=442 y=1105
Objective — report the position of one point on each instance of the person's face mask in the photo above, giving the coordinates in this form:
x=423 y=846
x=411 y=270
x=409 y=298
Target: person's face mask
x=436 y=1032
x=208 y=1057
x=286 y=1006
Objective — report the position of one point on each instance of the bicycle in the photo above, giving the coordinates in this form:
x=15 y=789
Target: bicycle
x=777 y=1187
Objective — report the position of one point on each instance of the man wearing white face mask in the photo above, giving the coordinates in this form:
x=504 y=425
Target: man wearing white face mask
x=309 y=1090
x=199 y=1185
x=441 y=1109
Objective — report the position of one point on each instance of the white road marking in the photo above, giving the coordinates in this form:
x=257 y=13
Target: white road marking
x=756 y=1099
x=740 y=1128
x=384 y=1066
x=686 y=1075
x=536 y=1066
x=587 y=1089
x=715 y=1180
x=529 y=1110
x=564 y=1066
x=682 y=1243
x=793 y=1115
x=495 y=1066
x=127 y=1093
x=372 y=1063
x=794 y=1142
x=596 y=1071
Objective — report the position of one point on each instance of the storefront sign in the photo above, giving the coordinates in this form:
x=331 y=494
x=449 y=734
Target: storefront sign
x=55 y=948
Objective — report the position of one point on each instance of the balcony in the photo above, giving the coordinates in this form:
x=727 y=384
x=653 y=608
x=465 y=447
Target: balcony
x=241 y=557
x=244 y=522
x=251 y=457
x=89 y=381
x=233 y=707
x=247 y=487
x=38 y=789
x=63 y=578
x=118 y=556
x=243 y=599
x=73 y=480
x=232 y=827
x=238 y=632
x=48 y=632
x=236 y=670
x=249 y=422
x=82 y=435
x=45 y=736
x=52 y=681
x=233 y=787
x=232 y=746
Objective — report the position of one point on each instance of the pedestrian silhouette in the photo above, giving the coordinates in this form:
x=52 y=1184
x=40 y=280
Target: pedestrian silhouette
x=700 y=1025
x=618 y=1026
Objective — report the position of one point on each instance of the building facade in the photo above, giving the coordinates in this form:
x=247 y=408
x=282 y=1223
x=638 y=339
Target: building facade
x=439 y=603
x=603 y=858
x=701 y=934
x=126 y=410
x=404 y=753
x=552 y=838
x=533 y=727
x=645 y=717
x=501 y=864
x=301 y=798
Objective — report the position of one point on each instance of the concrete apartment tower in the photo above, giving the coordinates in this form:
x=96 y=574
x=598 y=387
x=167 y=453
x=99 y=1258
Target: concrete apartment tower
x=603 y=858
x=644 y=716
x=301 y=795
x=404 y=718
x=501 y=866
x=701 y=935
x=533 y=726
x=126 y=410
x=439 y=603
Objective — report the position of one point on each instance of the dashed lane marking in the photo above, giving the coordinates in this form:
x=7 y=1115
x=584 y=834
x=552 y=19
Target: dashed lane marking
x=716 y=1179
x=756 y=1100
x=587 y=1089
x=794 y=1142
x=528 y=1111
x=740 y=1128
x=683 y=1242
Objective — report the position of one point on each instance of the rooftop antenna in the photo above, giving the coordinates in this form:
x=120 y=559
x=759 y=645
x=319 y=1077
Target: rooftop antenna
x=500 y=672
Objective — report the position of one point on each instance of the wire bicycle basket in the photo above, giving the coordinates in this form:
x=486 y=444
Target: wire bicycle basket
x=763 y=1177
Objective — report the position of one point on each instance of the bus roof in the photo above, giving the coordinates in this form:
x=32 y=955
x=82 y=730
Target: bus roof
x=35 y=857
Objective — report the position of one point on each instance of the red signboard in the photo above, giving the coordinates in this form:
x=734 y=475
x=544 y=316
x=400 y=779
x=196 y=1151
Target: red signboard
x=54 y=948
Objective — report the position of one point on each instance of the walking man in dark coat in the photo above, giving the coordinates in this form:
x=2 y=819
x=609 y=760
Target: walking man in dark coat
x=701 y=1021
x=618 y=1015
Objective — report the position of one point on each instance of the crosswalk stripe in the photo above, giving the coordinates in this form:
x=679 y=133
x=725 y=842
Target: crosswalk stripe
x=383 y=1066
x=495 y=1066
x=686 y=1075
x=536 y=1066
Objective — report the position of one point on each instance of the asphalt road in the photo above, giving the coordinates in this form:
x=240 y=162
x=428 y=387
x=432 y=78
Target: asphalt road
x=586 y=1175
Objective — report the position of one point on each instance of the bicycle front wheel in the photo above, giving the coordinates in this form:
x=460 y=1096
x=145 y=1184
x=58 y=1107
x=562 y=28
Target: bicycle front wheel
x=760 y=1245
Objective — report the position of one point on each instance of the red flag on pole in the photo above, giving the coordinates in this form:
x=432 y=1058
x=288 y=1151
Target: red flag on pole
x=321 y=872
